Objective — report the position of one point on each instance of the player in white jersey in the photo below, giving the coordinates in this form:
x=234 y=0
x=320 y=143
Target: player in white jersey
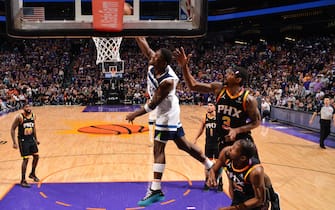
x=168 y=110
x=151 y=87
x=168 y=126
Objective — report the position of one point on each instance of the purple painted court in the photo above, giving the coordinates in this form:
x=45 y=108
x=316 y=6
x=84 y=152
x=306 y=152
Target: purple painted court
x=113 y=195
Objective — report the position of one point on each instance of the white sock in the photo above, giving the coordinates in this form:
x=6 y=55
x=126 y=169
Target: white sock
x=156 y=184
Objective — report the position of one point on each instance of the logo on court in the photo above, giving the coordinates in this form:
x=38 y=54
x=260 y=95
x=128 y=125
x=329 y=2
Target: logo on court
x=115 y=129
x=3 y=142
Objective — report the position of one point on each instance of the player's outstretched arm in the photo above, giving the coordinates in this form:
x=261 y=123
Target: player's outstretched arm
x=160 y=94
x=193 y=84
x=214 y=171
x=144 y=46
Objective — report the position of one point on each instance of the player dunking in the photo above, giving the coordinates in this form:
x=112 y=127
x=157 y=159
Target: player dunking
x=168 y=125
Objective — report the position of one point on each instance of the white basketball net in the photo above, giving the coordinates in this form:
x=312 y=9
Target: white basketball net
x=107 y=49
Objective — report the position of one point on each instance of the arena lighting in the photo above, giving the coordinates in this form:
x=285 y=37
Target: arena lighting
x=290 y=39
x=240 y=42
x=303 y=14
x=262 y=40
x=291 y=28
x=331 y=24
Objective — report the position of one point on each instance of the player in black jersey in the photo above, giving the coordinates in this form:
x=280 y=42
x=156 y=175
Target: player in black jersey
x=237 y=111
x=211 y=144
x=246 y=176
x=27 y=142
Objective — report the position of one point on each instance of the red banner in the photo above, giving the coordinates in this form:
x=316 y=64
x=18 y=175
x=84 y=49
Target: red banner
x=108 y=15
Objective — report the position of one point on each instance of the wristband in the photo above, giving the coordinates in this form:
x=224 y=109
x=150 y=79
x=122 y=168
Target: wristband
x=147 y=108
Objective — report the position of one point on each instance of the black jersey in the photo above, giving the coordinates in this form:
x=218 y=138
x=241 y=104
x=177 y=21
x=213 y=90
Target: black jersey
x=211 y=134
x=231 y=112
x=242 y=189
x=26 y=128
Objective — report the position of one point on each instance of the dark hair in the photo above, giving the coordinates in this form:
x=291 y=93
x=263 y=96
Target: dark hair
x=241 y=73
x=167 y=55
x=247 y=148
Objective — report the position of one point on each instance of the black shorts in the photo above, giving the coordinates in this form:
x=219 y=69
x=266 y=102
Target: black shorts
x=27 y=147
x=212 y=151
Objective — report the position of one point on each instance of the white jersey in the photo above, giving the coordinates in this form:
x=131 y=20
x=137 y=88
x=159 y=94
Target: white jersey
x=152 y=116
x=152 y=86
x=152 y=83
x=168 y=111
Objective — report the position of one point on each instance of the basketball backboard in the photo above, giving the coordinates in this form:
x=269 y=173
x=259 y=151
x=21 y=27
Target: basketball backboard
x=73 y=19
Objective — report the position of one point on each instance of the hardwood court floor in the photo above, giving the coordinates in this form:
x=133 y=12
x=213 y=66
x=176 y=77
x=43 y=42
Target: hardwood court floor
x=303 y=174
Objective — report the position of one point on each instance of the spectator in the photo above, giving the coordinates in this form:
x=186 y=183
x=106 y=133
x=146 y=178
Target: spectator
x=265 y=109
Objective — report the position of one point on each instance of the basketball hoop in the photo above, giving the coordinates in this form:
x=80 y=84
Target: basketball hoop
x=107 y=49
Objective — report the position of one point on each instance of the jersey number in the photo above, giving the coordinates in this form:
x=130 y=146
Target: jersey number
x=226 y=121
x=28 y=131
x=211 y=132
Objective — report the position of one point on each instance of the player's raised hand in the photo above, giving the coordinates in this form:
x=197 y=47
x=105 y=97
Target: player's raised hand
x=231 y=136
x=181 y=57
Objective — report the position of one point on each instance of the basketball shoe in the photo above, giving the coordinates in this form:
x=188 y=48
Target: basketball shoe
x=151 y=197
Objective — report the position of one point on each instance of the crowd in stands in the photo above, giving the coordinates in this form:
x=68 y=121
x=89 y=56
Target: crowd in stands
x=295 y=75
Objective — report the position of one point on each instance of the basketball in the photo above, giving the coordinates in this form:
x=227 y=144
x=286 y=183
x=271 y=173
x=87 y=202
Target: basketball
x=128 y=9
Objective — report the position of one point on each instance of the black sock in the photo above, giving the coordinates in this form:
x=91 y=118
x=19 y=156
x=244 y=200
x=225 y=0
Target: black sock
x=24 y=169
x=220 y=181
x=34 y=164
x=272 y=193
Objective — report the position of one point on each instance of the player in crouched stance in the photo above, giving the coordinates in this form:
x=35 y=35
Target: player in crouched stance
x=245 y=174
